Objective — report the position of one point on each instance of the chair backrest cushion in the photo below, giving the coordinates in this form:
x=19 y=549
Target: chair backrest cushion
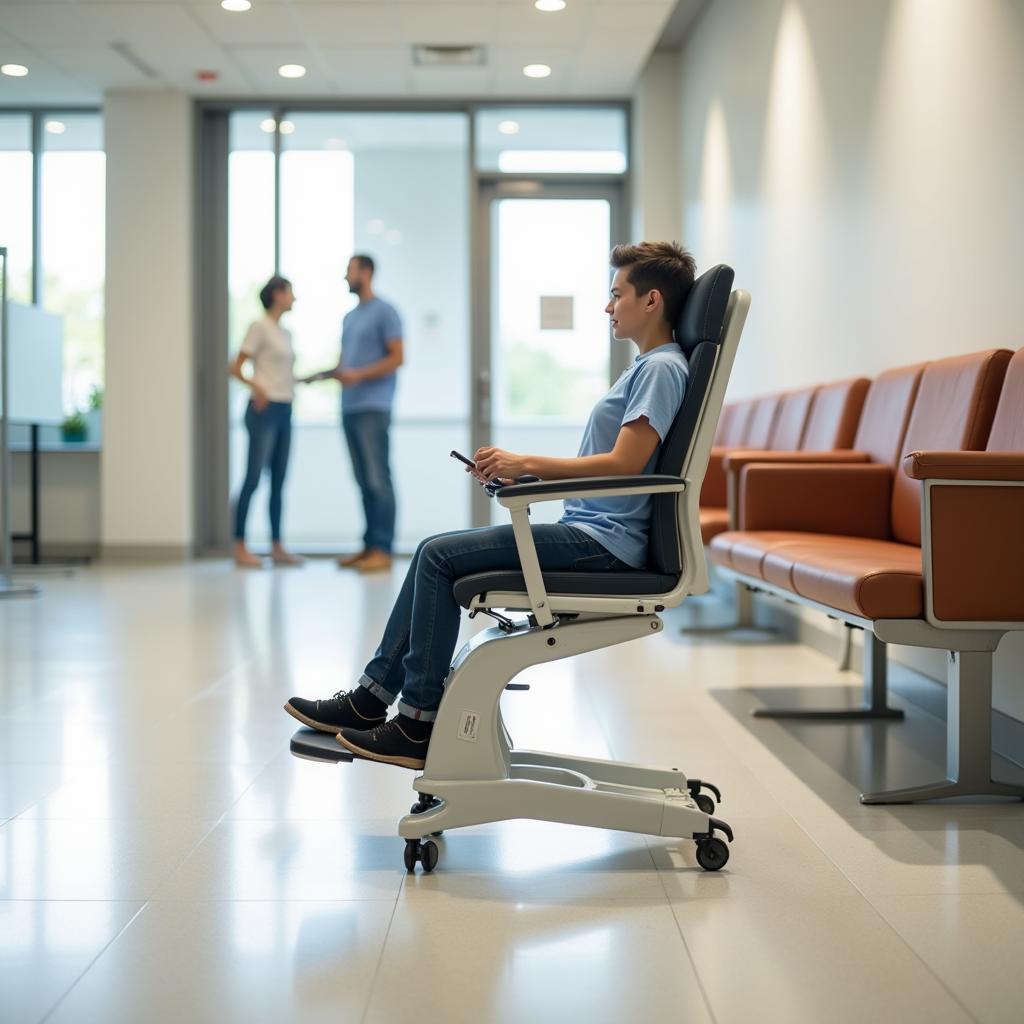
x=956 y=402
x=835 y=413
x=1007 y=434
x=698 y=333
x=794 y=407
x=883 y=422
x=762 y=419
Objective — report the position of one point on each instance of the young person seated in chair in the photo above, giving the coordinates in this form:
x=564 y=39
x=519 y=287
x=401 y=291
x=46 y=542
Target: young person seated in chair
x=622 y=437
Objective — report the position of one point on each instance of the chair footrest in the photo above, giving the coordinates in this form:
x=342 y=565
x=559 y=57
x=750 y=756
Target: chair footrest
x=312 y=745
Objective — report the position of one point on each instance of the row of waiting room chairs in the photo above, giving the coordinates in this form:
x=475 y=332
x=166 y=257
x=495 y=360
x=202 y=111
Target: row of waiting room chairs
x=895 y=505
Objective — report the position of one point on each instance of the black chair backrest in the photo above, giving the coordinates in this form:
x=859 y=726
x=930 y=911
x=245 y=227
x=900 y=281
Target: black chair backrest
x=698 y=334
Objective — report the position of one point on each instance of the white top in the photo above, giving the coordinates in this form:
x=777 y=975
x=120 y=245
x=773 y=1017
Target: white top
x=269 y=346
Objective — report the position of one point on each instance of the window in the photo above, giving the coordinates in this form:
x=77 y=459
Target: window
x=72 y=246
x=538 y=140
x=16 y=203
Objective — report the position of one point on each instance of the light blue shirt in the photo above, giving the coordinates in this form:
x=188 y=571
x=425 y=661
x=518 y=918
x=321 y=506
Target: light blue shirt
x=653 y=387
x=365 y=333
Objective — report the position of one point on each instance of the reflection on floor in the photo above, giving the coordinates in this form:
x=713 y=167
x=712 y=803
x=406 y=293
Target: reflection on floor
x=163 y=858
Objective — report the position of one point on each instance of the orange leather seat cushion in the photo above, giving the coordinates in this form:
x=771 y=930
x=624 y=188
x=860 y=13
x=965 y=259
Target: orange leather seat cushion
x=713 y=521
x=877 y=579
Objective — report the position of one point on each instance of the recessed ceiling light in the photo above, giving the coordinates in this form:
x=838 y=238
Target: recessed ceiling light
x=268 y=125
x=550 y=5
x=508 y=127
x=287 y=127
x=536 y=71
x=14 y=70
x=56 y=127
x=236 y=5
x=376 y=226
x=291 y=71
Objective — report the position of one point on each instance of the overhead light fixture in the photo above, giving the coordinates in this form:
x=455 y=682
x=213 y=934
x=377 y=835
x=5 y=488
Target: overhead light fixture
x=236 y=6
x=56 y=127
x=268 y=125
x=536 y=71
x=291 y=71
x=14 y=70
x=550 y=5
x=287 y=127
x=508 y=127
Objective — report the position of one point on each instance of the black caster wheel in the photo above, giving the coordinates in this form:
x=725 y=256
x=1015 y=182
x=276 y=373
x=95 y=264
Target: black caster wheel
x=705 y=803
x=713 y=853
x=428 y=855
x=425 y=851
x=412 y=854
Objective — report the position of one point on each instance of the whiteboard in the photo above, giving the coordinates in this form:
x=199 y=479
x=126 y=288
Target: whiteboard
x=35 y=364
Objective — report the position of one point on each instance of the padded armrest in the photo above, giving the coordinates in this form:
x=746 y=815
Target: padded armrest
x=737 y=459
x=585 y=486
x=1007 y=466
x=850 y=500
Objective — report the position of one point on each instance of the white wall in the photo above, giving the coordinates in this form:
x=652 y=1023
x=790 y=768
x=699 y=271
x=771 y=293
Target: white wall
x=147 y=450
x=860 y=165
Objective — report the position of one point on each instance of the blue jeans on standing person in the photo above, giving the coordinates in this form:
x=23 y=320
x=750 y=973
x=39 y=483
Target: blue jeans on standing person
x=419 y=640
x=270 y=441
x=367 y=435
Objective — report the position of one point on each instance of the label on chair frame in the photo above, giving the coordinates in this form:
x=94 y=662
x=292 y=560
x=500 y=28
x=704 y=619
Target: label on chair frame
x=468 y=722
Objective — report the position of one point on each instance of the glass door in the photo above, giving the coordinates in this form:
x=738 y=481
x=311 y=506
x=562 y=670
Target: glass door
x=544 y=354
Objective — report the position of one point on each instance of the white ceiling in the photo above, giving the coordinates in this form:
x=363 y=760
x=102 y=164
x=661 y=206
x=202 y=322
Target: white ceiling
x=356 y=48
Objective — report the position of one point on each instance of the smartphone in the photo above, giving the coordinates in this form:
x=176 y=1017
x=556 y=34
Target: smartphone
x=462 y=458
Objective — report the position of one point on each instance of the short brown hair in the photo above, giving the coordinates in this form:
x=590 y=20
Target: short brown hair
x=666 y=266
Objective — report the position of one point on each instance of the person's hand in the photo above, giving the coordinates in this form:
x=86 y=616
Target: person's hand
x=498 y=464
x=259 y=398
x=311 y=379
x=349 y=377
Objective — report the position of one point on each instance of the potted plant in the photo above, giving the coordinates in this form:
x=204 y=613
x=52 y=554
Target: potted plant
x=94 y=417
x=73 y=427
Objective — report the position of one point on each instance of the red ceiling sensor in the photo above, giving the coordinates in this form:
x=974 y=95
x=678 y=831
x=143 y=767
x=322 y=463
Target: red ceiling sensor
x=207 y=76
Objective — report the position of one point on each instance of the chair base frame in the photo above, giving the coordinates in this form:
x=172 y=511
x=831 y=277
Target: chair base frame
x=475 y=775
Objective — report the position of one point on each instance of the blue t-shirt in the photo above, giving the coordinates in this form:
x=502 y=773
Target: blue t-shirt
x=653 y=387
x=365 y=333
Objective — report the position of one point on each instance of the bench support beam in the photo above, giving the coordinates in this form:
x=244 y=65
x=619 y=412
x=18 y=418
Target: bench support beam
x=876 y=693
x=968 y=737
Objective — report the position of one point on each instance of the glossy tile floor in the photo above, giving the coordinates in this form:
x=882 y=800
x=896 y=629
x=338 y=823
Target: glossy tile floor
x=163 y=858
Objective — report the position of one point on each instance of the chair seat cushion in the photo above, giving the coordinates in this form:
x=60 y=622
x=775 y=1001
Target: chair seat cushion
x=875 y=579
x=588 y=584
x=713 y=521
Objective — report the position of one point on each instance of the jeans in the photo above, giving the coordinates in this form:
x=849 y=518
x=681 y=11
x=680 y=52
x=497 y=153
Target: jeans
x=416 y=651
x=270 y=441
x=367 y=436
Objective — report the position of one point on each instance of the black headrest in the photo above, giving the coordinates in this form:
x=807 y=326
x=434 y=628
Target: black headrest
x=704 y=309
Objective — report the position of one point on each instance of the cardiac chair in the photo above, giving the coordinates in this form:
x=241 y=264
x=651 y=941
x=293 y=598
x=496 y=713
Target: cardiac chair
x=473 y=773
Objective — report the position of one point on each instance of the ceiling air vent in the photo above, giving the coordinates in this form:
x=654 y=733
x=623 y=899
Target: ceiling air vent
x=449 y=56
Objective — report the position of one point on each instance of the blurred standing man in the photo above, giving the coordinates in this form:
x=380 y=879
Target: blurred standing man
x=371 y=353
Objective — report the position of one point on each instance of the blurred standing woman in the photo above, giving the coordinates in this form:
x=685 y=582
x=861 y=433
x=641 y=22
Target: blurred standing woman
x=268 y=416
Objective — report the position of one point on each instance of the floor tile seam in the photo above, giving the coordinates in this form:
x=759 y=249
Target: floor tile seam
x=217 y=683
x=866 y=897
x=693 y=964
x=380 y=954
x=189 y=853
x=92 y=963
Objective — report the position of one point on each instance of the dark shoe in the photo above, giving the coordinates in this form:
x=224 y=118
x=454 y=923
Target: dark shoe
x=402 y=741
x=340 y=711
